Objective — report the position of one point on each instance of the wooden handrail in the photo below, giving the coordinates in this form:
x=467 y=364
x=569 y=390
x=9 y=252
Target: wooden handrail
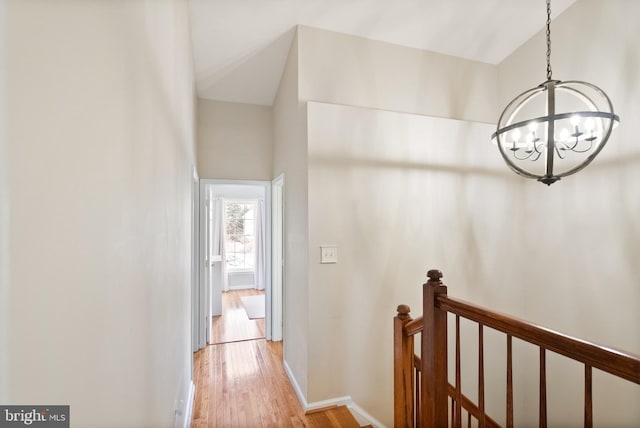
x=428 y=376
x=620 y=363
x=413 y=327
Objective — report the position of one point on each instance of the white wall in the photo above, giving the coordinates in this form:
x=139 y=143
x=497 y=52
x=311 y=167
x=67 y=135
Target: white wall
x=235 y=141
x=398 y=194
x=101 y=148
x=584 y=232
x=513 y=245
x=290 y=158
x=238 y=191
x=343 y=69
x=368 y=157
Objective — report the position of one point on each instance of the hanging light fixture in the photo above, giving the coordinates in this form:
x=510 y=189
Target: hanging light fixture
x=555 y=129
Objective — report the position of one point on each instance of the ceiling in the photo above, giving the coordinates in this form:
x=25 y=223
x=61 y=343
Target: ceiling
x=240 y=46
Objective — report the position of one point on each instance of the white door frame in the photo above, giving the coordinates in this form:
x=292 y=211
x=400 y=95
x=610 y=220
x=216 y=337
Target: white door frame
x=206 y=294
x=274 y=328
x=197 y=339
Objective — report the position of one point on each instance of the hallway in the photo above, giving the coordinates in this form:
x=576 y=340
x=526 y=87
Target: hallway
x=243 y=384
x=240 y=379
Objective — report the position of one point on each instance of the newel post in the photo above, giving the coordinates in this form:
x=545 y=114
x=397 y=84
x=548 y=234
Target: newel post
x=402 y=370
x=434 y=393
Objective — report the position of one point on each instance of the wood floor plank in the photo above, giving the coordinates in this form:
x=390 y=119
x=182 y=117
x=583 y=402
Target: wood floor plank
x=240 y=381
x=234 y=324
x=243 y=384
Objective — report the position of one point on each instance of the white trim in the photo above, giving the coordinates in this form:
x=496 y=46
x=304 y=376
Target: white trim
x=276 y=297
x=188 y=413
x=362 y=416
x=294 y=383
x=195 y=265
x=184 y=408
x=203 y=295
x=205 y=183
x=338 y=401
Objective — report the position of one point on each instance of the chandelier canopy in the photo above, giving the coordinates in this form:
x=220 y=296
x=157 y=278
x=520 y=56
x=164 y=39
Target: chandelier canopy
x=555 y=129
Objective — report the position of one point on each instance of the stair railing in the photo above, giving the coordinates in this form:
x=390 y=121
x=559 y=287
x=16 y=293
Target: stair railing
x=421 y=387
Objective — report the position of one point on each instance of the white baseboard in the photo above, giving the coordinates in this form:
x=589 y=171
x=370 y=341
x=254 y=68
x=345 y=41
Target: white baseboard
x=362 y=416
x=188 y=412
x=183 y=414
x=296 y=386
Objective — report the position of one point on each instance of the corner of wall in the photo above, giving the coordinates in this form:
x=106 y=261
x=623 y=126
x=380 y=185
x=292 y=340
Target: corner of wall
x=290 y=158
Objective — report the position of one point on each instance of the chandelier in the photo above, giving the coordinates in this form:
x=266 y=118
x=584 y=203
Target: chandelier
x=555 y=129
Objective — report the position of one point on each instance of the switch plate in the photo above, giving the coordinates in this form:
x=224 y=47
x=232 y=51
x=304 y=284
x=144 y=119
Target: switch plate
x=328 y=254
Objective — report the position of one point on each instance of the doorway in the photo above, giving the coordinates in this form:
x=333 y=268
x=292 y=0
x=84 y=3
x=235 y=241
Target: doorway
x=236 y=259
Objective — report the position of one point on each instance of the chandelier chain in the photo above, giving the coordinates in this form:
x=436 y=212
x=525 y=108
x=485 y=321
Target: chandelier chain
x=548 y=39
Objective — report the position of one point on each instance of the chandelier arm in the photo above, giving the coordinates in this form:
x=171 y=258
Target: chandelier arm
x=537 y=157
x=585 y=150
x=571 y=147
x=582 y=151
x=513 y=166
x=590 y=158
x=510 y=164
x=522 y=158
x=528 y=94
x=559 y=153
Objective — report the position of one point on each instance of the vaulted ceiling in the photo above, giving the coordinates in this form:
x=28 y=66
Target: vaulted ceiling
x=240 y=46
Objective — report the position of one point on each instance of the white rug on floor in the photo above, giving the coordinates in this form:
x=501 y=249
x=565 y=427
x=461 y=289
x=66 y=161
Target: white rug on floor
x=254 y=306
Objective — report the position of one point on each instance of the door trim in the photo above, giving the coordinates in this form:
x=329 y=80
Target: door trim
x=274 y=328
x=195 y=265
x=205 y=183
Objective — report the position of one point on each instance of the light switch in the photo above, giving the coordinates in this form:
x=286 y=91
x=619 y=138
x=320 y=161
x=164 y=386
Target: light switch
x=328 y=254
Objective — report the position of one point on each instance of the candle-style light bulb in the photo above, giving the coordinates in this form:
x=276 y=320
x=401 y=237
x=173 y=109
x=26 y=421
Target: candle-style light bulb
x=516 y=135
x=564 y=135
x=575 y=120
x=588 y=124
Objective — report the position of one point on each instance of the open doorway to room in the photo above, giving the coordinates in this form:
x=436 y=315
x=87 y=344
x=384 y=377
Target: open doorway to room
x=235 y=254
x=238 y=240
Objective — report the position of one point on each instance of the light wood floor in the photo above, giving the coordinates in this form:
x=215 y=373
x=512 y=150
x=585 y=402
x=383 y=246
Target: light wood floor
x=234 y=324
x=240 y=381
x=243 y=384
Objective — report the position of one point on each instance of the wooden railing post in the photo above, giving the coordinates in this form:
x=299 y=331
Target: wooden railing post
x=435 y=384
x=403 y=370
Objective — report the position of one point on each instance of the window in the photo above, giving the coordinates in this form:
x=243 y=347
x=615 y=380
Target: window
x=240 y=236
